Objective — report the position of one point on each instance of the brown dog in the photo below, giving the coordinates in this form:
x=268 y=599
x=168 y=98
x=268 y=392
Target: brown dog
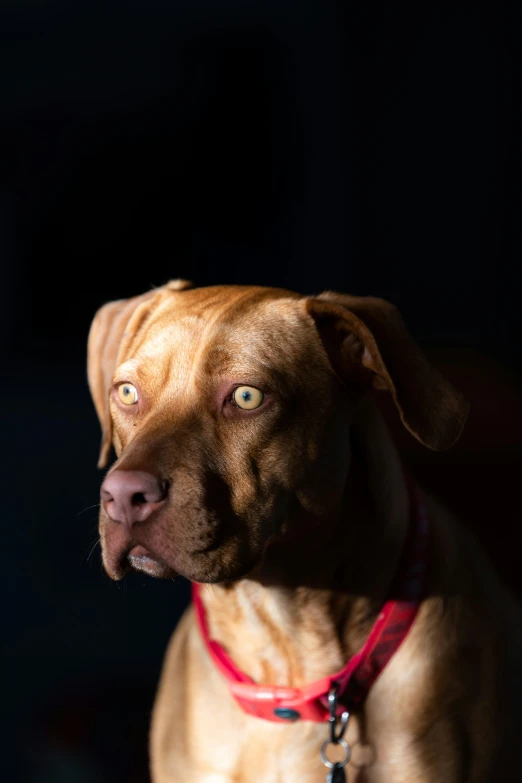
x=251 y=456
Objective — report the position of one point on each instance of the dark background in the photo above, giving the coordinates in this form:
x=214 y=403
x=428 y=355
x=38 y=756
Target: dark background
x=358 y=147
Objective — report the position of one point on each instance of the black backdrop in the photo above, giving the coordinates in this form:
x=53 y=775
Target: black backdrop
x=307 y=145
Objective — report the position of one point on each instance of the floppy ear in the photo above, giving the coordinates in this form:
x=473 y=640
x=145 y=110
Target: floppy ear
x=368 y=346
x=112 y=329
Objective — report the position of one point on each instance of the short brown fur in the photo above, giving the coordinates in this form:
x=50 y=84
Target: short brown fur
x=296 y=513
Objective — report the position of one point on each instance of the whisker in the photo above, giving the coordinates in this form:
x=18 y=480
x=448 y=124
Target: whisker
x=93 y=547
x=94 y=505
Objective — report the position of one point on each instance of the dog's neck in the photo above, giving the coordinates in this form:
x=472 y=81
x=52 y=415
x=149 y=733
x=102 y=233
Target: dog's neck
x=312 y=604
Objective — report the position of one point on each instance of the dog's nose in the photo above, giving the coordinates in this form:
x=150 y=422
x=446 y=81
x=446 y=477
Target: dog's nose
x=131 y=496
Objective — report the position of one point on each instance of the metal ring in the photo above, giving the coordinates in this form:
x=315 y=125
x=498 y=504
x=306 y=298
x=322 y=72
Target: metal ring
x=332 y=764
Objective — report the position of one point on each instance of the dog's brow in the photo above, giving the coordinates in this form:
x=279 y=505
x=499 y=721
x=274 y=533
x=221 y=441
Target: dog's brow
x=226 y=308
x=205 y=342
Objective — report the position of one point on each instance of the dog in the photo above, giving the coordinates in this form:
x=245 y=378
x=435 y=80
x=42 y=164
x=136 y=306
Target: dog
x=344 y=624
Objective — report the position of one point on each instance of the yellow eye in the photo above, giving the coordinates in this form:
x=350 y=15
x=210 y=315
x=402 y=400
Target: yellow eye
x=247 y=397
x=127 y=393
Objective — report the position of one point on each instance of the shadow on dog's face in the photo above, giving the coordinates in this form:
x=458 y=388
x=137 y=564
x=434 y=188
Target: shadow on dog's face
x=226 y=396
x=236 y=403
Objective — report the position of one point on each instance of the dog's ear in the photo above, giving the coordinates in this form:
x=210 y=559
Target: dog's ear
x=368 y=346
x=112 y=329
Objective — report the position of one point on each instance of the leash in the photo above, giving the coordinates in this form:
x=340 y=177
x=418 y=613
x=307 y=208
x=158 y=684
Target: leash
x=333 y=698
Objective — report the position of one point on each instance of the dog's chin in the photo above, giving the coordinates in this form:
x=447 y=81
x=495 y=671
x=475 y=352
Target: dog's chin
x=223 y=564
x=214 y=572
x=205 y=568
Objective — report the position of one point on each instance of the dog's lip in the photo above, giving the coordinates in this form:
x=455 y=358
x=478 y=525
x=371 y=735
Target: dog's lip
x=139 y=551
x=140 y=559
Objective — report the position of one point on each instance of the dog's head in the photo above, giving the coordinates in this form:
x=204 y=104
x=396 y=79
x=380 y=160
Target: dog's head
x=229 y=410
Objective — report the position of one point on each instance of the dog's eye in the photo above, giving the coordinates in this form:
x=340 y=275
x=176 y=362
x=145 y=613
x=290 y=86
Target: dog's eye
x=247 y=397
x=127 y=393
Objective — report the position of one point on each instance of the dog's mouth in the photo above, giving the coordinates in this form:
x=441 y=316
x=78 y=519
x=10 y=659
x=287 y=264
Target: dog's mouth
x=166 y=548
x=140 y=559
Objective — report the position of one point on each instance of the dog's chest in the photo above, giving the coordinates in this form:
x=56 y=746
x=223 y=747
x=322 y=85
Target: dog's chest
x=263 y=752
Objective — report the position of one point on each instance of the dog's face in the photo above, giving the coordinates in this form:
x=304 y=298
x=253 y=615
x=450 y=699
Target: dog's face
x=229 y=409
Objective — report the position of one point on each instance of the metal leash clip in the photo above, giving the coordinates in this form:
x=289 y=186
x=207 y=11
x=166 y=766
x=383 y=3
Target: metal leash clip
x=336 y=773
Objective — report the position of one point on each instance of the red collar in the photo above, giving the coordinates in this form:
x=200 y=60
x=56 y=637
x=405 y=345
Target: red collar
x=354 y=681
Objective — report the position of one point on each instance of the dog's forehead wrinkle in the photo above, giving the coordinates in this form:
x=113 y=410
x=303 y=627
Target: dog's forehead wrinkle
x=174 y=336
x=267 y=338
x=238 y=342
x=169 y=347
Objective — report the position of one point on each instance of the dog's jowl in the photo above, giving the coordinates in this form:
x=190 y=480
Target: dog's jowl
x=354 y=630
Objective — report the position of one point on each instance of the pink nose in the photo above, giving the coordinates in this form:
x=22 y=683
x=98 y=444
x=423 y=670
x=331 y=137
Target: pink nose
x=131 y=496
